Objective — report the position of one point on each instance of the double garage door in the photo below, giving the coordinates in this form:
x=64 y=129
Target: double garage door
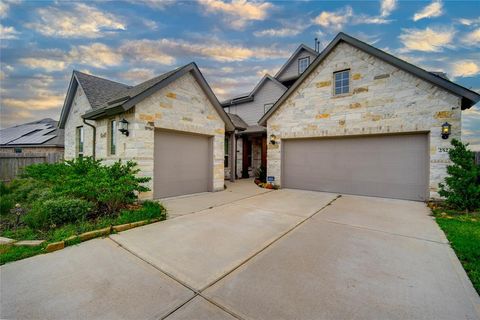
x=393 y=166
x=182 y=164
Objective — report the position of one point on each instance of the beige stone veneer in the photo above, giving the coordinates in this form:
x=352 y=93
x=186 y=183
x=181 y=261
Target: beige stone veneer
x=383 y=100
x=180 y=106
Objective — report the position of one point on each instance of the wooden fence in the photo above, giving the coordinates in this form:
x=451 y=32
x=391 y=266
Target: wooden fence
x=11 y=164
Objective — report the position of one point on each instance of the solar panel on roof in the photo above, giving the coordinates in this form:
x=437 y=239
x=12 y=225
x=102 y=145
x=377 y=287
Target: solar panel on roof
x=32 y=140
x=27 y=134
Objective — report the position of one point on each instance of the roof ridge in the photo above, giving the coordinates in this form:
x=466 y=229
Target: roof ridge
x=101 y=78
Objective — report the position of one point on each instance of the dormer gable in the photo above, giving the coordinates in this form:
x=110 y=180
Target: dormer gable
x=296 y=65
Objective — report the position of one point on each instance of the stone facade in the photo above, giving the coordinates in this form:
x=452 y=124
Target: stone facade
x=382 y=100
x=181 y=106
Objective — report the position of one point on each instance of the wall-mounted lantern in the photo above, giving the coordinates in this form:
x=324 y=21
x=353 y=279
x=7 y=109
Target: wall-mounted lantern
x=273 y=139
x=123 y=127
x=446 y=130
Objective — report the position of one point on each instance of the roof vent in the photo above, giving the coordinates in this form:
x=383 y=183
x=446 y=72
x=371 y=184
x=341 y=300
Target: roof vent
x=317 y=45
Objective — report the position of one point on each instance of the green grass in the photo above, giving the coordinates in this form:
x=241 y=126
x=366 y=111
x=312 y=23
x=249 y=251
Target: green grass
x=13 y=253
x=148 y=211
x=463 y=232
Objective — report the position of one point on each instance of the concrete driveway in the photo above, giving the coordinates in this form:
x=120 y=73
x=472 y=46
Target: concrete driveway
x=286 y=254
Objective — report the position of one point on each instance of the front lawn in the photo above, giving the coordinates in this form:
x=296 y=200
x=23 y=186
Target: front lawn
x=463 y=232
x=58 y=202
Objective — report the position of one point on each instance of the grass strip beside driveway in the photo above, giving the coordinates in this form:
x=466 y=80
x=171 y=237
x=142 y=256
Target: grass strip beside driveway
x=8 y=253
x=463 y=233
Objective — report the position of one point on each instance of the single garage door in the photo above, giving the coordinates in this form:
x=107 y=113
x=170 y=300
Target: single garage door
x=182 y=164
x=393 y=166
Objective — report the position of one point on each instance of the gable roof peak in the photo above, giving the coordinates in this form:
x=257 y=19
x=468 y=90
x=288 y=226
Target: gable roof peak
x=468 y=97
x=297 y=51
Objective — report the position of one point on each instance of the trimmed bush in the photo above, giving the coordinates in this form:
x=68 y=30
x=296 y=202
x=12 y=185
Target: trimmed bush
x=57 y=212
x=109 y=187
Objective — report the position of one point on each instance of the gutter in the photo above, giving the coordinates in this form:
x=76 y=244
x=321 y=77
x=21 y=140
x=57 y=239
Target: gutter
x=94 y=139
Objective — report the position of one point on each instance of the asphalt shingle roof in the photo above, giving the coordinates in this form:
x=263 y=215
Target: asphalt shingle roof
x=98 y=90
x=136 y=90
x=238 y=122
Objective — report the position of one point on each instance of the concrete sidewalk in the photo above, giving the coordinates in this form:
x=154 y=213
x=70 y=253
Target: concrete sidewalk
x=240 y=189
x=286 y=254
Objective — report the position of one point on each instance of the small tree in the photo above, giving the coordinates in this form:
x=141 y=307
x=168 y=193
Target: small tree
x=462 y=188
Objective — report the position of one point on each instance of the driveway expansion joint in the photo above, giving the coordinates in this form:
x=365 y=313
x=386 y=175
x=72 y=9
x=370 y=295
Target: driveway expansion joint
x=385 y=232
x=268 y=245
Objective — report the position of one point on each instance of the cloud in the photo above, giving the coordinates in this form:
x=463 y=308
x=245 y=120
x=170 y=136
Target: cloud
x=429 y=40
x=8 y=33
x=386 y=7
x=238 y=12
x=280 y=32
x=472 y=38
x=465 y=68
x=137 y=75
x=154 y=4
x=334 y=20
x=471 y=127
x=43 y=63
x=41 y=102
x=434 y=9
x=150 y=24
x=164 y=51
x=469 y=22
x=5 y=7
x=77 y=21
x=96 y=55
x=363 y=19
x=147 y=50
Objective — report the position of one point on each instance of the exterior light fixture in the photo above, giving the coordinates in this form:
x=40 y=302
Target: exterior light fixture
x=273 y=139
x=446 y=130
x=123 y=127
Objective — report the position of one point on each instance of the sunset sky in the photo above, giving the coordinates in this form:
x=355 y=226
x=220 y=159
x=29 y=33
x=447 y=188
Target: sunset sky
x=233 y=43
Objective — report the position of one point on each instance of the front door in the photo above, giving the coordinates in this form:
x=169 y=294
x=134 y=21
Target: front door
x=246 y=157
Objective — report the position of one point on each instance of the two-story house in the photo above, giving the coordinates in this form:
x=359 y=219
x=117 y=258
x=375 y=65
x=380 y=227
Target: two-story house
x=245 y=110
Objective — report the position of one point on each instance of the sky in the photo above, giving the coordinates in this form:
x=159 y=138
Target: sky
x=233 y=42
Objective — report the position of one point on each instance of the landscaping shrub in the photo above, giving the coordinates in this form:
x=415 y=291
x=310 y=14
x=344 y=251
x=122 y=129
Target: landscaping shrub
x=57 y=212
x=261 y=174
x=108 y=187
x=6 y=199
x=462 y=188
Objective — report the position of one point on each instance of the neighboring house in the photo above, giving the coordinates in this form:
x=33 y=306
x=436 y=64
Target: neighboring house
x=172 y=125
x=361 y=121
x=245 y=110
x=29 y=143
x=42 y=136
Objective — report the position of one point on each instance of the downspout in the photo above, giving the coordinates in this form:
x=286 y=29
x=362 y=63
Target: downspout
x=94 y=139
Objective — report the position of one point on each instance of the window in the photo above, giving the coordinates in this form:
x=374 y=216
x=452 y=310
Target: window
x=303 y=64
x=267 y=107
x=342 y=82
x=226 y=152
x=79 y=138
x=18 y=150
x=113 y=136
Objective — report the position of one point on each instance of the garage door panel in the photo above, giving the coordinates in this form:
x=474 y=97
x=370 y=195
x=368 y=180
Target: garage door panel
x=385 y=166
x=182 y=164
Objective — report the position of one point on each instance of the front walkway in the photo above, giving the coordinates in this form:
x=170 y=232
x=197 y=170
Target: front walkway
x=286 y=254
x=240 y=189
